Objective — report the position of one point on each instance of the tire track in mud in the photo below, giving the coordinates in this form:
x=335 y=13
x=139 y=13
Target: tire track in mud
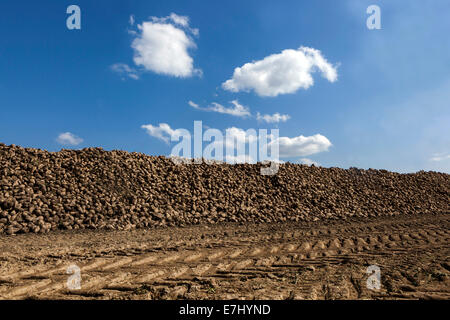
x=256 y=255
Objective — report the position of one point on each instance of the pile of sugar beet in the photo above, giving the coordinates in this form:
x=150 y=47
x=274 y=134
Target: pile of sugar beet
x=91 y=188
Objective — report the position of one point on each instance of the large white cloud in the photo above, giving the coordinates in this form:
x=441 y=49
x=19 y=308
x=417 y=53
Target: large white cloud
x=237 y=110
x=281 y=73
x=162 y=46
x=68 y=138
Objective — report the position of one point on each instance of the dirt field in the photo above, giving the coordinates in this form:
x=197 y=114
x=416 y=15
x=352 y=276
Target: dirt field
x=317 y=260
x=135 y=226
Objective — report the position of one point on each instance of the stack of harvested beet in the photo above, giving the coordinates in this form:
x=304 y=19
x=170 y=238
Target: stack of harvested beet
x=92 y=188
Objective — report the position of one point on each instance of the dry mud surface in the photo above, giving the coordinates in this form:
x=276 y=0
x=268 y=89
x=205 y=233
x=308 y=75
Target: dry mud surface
x=326 y=259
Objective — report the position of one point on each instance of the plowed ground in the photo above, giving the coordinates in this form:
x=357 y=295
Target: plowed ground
x=320 y=260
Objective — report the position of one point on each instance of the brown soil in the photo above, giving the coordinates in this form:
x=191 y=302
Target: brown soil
x=305 y=260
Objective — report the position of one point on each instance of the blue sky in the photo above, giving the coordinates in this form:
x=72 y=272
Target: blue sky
x=388 y=106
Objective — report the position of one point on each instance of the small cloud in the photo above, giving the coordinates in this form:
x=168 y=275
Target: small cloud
x=308 y=162
x=181 y=20
x=302 y=146
x=242 y=158
x=236 y=110
x=125 y=70
x=193 y=105
x=274 y=118
x=440 y=157
x=176 y=19
x=131 y=20
x=162 y=132
x=68 y=138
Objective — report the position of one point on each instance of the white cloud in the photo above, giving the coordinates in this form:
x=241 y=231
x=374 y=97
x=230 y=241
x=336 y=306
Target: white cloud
x=162 y=132
x=281 y=73
x=440 y=157
x=236 y=110
x=242 y=158
x=162 y=46
x=302 y=146
x=68 y=138
x=125 y=70
x=308 y=162
x=288 y=147
x=131 y=20
x=193 y=105
x=239 y=135
x=182 y=21
x=274 y=118
x=238 y=141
